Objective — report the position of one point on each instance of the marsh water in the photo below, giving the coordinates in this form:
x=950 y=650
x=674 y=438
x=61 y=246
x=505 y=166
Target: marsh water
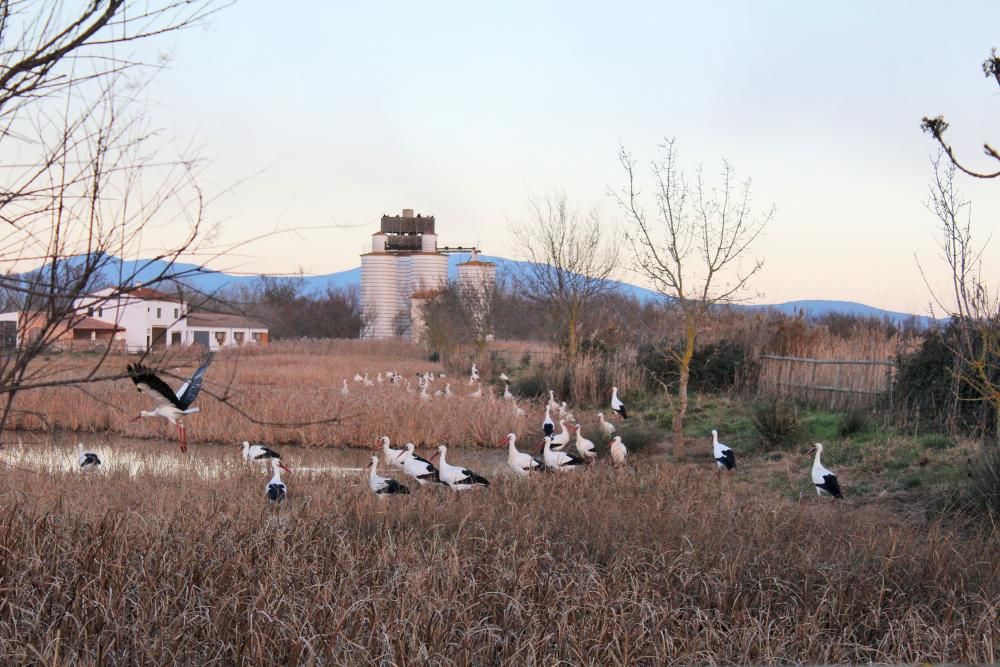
x=58 y=452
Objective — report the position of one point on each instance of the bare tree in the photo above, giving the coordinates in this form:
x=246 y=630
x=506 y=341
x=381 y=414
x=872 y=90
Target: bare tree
x=571 y=260
x=83 y=179
x=690 y=249
x=937 y=126
x=972 y=304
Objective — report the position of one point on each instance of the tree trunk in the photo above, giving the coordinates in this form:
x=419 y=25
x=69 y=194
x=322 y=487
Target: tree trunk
x=571 y=337
x=684 y=370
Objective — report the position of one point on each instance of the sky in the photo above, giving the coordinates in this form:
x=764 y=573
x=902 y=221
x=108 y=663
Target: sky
x=319 y=117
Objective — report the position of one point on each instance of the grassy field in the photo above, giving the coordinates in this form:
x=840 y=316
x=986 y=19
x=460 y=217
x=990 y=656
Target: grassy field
x=661 y=563
x=654 y=565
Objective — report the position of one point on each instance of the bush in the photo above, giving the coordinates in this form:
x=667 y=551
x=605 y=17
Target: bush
x=936 y=441
x=984 y=476
x=853 y=422
x=637 y=437
x=715 y=367
x=927 y=386
x=776 y=423
x=531 y=384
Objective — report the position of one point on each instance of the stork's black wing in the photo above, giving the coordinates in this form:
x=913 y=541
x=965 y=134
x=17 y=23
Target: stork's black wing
x=147 y=381
x=275 y=492
x=189 y=390
x=392 y=486
x=90 y=459
x=473 y=478
x=831 y=486
x=728 y=459
x=267 y=453
x=548 y=429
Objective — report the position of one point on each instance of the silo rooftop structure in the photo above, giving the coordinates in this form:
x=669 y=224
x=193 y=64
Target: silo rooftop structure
x=404 y=260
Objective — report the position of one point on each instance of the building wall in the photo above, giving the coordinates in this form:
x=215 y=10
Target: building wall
x=138 y=316
x=229 y=335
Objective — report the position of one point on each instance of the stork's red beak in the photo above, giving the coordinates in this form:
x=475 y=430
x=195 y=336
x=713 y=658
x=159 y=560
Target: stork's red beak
x=400 y=455
x=435 y=455
x=184 y=448
x=284 y=467
x=135 y=419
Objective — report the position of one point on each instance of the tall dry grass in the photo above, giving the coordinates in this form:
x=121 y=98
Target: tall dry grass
x=667 y=568
x=282 y=393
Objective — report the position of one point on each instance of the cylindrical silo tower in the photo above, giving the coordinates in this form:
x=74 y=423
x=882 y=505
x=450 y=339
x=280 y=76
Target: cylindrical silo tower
x=404 y=260
x=476 y=282
x=380 y=299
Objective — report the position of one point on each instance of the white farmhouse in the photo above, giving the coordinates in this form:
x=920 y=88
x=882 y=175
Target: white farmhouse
x=151 y=318
x=154 y=319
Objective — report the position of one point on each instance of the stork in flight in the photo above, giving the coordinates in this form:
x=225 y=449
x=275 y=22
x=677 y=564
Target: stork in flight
x=169 y=405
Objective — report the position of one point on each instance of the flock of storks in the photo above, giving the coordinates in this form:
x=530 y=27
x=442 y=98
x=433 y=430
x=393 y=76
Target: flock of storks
x=173 y=406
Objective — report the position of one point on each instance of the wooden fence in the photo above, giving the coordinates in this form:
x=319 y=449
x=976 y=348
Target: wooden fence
x=832 y=383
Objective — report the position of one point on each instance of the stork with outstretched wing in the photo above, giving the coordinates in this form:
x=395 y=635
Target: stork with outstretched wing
x=169 y=405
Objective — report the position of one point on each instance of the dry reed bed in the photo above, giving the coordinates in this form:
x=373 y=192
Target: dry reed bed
x=283 y=394
x=665 y=569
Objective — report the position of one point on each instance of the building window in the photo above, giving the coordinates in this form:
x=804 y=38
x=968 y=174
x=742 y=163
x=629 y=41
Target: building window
x=256 y=335
x=100 y=312
x=90 y=312
x=158 y=314
x=176 y=314
x=220 y=337
x=238 y=337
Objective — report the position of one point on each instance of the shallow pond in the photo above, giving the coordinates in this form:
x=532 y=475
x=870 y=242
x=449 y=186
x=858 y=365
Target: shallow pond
x=58 y=453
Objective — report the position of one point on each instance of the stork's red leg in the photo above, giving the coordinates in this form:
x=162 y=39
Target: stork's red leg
x=184 y=447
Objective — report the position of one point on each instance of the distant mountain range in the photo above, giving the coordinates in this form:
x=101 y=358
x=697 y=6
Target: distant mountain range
x=209 y=281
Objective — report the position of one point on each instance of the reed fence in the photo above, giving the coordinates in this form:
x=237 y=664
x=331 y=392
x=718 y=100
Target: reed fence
x=831 y=383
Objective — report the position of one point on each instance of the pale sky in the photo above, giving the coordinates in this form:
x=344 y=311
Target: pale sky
x=346 y=111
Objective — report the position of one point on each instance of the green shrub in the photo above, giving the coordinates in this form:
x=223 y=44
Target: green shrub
x=936 y=440
x=927 y=387
x=984 y=478
x=637 y=437
x=853 y=422
x=776 y=423
x=531 y=384
x=716 y=367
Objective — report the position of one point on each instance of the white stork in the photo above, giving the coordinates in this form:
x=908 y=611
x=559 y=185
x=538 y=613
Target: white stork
x=383 y=486
x=824 y=480
x=517 y=409
x=521 y=463
x=507 y=396
x=344 y=391
x=555 y=460
x=390 y=455
x=358 y=378
x=276 y=489
x=553 y=405
x=618 y=451
x=606 y=427
x=473 y=375
x=448 y=393
x=586 y=447
x=257 y=452
x=548 y=426
x=477 y=393
x=564 y=412
x=725 y=457
x=169 y=405
x=504 y=378
x=617 y=405
x=459 y=479
x=560 y=439
x=418 y=467
x=88 y=460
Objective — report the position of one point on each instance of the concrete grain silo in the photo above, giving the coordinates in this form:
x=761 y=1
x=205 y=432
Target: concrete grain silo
x=404 y=260
x=476 y=281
